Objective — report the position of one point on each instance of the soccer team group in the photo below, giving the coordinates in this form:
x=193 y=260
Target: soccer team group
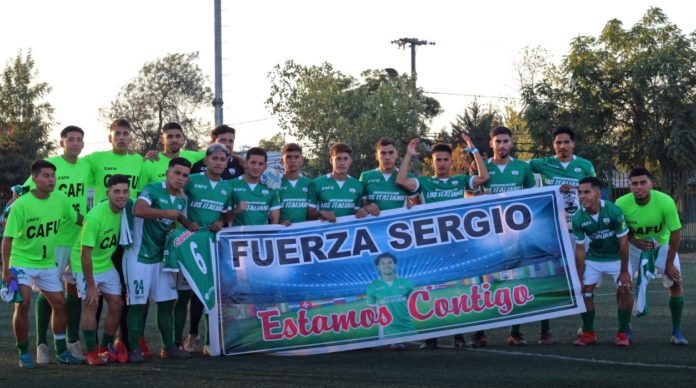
x=80 y=259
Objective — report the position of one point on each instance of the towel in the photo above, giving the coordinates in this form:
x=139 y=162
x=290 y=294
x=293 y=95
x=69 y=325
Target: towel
x=646 y=273
x=126 y=237
x=10 y=292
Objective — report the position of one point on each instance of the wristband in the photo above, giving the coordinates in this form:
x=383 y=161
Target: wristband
x=471 y=149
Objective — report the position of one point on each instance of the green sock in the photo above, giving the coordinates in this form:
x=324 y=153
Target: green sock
x=90 y=339
x=59 y=342
x=107 y=339
x=545 y=326
x=624 y=320
x=180 y=312
x=588 y=321
x=23 y=347
x=676 y=305
x=74 y=307
x=43 y=311
x=515 y=330
x=165 y=322
x=135 y=324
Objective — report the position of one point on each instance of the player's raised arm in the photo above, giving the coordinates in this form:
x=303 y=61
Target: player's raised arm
x=402 y=179
x=482 y=176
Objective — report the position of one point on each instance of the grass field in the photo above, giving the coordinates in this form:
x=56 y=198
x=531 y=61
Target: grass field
x=650 y=361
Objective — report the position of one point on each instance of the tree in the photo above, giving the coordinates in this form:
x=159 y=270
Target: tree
x=629 y=93
x=172 y=88
x=25 y=120
x=476 y=122
x=322 y=106
x=275 y=143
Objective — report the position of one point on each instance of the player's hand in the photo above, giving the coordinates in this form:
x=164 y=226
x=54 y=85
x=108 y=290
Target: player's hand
x=372 y=209
x=241 y=206
x=152 y=155
x=673 y=273
x=327 y=215
x=411 y=149
x=193 y=226
x=645 y=244
x=361 y=213
x=215 y=226
x=286 y=222
x=624 y=279
x=92 y=295
x=172 y=214
x=469 y=143
x=8 y=276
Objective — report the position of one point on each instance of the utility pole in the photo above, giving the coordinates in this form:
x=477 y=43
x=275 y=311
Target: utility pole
x=413 y=43
x=217 y=101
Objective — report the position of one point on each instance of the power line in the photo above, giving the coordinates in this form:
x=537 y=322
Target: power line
x=253 y=121
x=472 y=95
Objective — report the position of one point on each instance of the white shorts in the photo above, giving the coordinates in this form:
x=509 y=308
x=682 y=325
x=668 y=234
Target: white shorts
x=634 y=258
x=595 y=269
x=106 y=282
x=147 y=281
x=43 y=279
x=63 y=261
x=181 y=282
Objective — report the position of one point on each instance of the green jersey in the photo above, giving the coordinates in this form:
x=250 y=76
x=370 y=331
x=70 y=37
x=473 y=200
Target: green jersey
x=156 y=171
x=100 y=231
x=191 y=252
x=434 y=189
x=515 y=175
x=104 y=164
x=294 y=199
x=602 y=229
x=259 y=198
x=72 y=179
x=207 y=199
x=149 y=235
x=34 y=224
x=394 y=295
x=656 y=219
x=342 y=198
x=381 y=189
x=554 y=173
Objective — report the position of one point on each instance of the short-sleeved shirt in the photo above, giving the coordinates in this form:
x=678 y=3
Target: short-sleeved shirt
x=395 y=297
x=603 y=231
x=260 y=201
x=233 y=170
x=156 y=171
x=515 y=175
x=294 y=199
x=433 y=189
x=382 y=190
x=34 y=224
x=342 y=198
x=207 y=199
x=151 y=234
x=656 y=219
x=554 y=174
x=100 y=231
x=72 y=179
x=104 y=164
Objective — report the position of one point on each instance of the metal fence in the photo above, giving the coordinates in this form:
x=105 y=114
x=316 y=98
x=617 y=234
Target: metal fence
x=680 y=185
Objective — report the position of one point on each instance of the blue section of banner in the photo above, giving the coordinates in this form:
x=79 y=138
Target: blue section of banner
x=433 y=244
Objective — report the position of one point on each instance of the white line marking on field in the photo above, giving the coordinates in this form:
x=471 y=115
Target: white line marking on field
x=588 y=360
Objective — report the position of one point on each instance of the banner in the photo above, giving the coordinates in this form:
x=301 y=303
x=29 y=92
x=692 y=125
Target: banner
x=434 y=270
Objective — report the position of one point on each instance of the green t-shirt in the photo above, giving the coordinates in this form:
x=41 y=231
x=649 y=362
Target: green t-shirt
x=344 y=199
x=433 y=189
x=656 y=219
x=104 y=164
x=156 y=171
x=72 y=179
x=260 y=201
x=294 y=199
x=34 y=224
x=151 y=234
x=516 y=175
x=100 y=231
x=207 y=199
x=382 y=190
x=553 y=173
x=395 y=297
x=603 y=232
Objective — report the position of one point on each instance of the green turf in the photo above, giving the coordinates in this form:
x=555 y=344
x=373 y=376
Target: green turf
x=558 y=365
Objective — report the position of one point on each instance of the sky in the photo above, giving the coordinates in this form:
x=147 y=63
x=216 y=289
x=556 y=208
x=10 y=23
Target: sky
x=87 y=50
